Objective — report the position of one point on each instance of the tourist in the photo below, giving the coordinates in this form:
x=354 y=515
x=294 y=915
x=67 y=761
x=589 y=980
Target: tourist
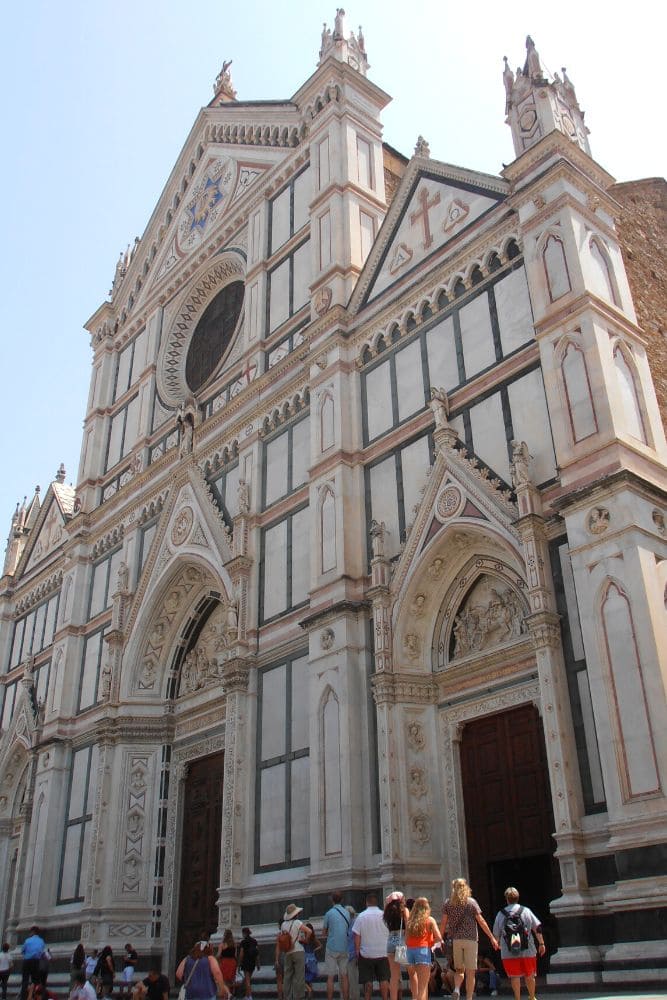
x=91 y=965
x=227 y=959
x=105 y=970
x=248 y=959
x=311 y=964
x=200 y=974
x=461 y=916
x=6 y=965
x=130 y=960
x=279 y=967
x=294 y=976
x=518 y=954
x=32 y=950
x=395 y=917
x=335 y=927
x=421 y=934
x=76 y=965
x=352 y=961
x=370 y=937
x=154 y=987
x=81 y=989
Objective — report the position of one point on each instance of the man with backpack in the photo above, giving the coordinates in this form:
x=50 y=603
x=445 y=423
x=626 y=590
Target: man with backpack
x=517 y=928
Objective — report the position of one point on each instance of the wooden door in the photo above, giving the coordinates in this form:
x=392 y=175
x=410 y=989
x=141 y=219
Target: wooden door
x=200 y=854
x=508 y=813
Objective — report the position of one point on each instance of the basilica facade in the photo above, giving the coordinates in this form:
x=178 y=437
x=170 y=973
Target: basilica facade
x=362 y=579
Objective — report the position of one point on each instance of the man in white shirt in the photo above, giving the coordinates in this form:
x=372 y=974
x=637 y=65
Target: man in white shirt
x=370 y=938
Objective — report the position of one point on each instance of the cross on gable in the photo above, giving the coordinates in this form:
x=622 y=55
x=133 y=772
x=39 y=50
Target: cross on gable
x=422 y=214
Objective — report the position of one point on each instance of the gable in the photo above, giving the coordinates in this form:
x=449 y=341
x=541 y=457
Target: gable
x=432 y=208
x=220 y=180
x=47 y=535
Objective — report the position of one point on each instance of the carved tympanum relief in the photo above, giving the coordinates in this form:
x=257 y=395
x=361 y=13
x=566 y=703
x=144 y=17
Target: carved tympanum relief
x=491 y=614
x=203 y=664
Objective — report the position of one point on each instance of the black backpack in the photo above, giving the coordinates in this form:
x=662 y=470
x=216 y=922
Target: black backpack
x=514 y=931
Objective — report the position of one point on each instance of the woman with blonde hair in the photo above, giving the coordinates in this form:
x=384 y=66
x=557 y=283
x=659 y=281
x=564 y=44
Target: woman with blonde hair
x=421 y=933
x=461 y=916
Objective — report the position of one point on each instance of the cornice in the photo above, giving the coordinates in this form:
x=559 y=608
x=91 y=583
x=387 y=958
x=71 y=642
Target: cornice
x=395 y=688
x=542 y=152
x=339 y=609
x=579 y=497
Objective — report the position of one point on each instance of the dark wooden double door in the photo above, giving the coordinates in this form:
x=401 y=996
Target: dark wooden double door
x=508 y=812
x=200 y=855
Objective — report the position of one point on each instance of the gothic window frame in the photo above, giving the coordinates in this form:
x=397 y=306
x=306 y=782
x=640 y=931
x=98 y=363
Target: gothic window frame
x=619 y=346
x=107 y=558
x=387 y=352
x=123 y=451
x=284 y=429
x=272 y=251
x=144 y=549
x=83 y=820
x=289 y=567
x=9 y=691
x=543 y=246
x=14 y=659
x=394 y=452
x=89 y=637
x=598 y=243
x=287 y=757
x=572 y=341
x=287 y=258
x=132 y=374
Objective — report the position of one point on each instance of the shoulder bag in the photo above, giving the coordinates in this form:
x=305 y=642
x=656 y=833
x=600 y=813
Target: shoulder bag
x=182 y=991
x=401 y=950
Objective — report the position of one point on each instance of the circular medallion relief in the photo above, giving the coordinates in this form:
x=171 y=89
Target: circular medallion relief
x=448 y=503
x=182 y=525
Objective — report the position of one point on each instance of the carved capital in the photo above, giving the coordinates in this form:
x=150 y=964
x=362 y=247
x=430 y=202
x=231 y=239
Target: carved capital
x=544 y=628
x=236 y=675
x=411 y=689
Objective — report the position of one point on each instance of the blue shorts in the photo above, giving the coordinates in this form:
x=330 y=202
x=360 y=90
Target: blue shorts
x=420 y=956
x=394 y=938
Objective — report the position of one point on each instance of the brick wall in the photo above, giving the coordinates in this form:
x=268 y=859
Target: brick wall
x=642 y=227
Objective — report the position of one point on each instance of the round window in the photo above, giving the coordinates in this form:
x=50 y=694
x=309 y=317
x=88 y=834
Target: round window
x=213 y=335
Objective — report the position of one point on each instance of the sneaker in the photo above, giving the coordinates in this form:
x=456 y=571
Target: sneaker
x=494 y=993
x=456 y=994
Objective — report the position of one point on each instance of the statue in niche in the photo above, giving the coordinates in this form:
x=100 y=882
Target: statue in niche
x=243 y=495
x=520 y=461
x=418 y=605
x=491 y=615
x=440 y=408
x=232 y=620
x=339 y=23
x=377 y=538
x=105 y=681
x=123 y=580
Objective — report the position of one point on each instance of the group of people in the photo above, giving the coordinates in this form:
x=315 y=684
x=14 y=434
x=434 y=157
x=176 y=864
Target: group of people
x=378 y=944
x=205 y=974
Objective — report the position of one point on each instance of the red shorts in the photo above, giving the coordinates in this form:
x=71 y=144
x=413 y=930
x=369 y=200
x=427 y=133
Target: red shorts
x=520 y=966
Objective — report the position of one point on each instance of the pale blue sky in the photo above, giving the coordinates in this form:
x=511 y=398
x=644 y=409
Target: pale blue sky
x=98 y=98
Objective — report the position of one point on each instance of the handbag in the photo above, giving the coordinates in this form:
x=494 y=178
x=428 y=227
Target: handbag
x=401 y=950
x=182 y=991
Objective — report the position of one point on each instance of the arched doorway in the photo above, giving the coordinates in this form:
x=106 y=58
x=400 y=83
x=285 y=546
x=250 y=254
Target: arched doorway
x=508 y=814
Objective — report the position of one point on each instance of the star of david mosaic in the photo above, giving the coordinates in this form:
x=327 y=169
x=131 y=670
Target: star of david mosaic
x=205 y=201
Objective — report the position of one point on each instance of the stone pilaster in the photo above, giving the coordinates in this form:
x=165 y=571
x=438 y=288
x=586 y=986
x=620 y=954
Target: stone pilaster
x=235 y=679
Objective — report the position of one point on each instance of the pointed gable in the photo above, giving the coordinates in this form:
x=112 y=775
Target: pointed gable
x=48 y=532
x=436 y=205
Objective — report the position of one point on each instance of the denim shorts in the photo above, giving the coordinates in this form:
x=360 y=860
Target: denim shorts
x=420 y=956
x=395 y=938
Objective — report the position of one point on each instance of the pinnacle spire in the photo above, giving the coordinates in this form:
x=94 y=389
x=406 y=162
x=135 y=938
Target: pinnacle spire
x=343 y=45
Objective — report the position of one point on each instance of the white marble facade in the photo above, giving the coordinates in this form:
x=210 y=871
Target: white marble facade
x=355 y=475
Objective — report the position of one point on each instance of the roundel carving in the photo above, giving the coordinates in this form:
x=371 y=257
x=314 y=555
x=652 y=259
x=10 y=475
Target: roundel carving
x=182 y=526
x=448 y=503
x=202 y=330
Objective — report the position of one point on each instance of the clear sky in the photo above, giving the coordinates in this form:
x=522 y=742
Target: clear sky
x=98 y=99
